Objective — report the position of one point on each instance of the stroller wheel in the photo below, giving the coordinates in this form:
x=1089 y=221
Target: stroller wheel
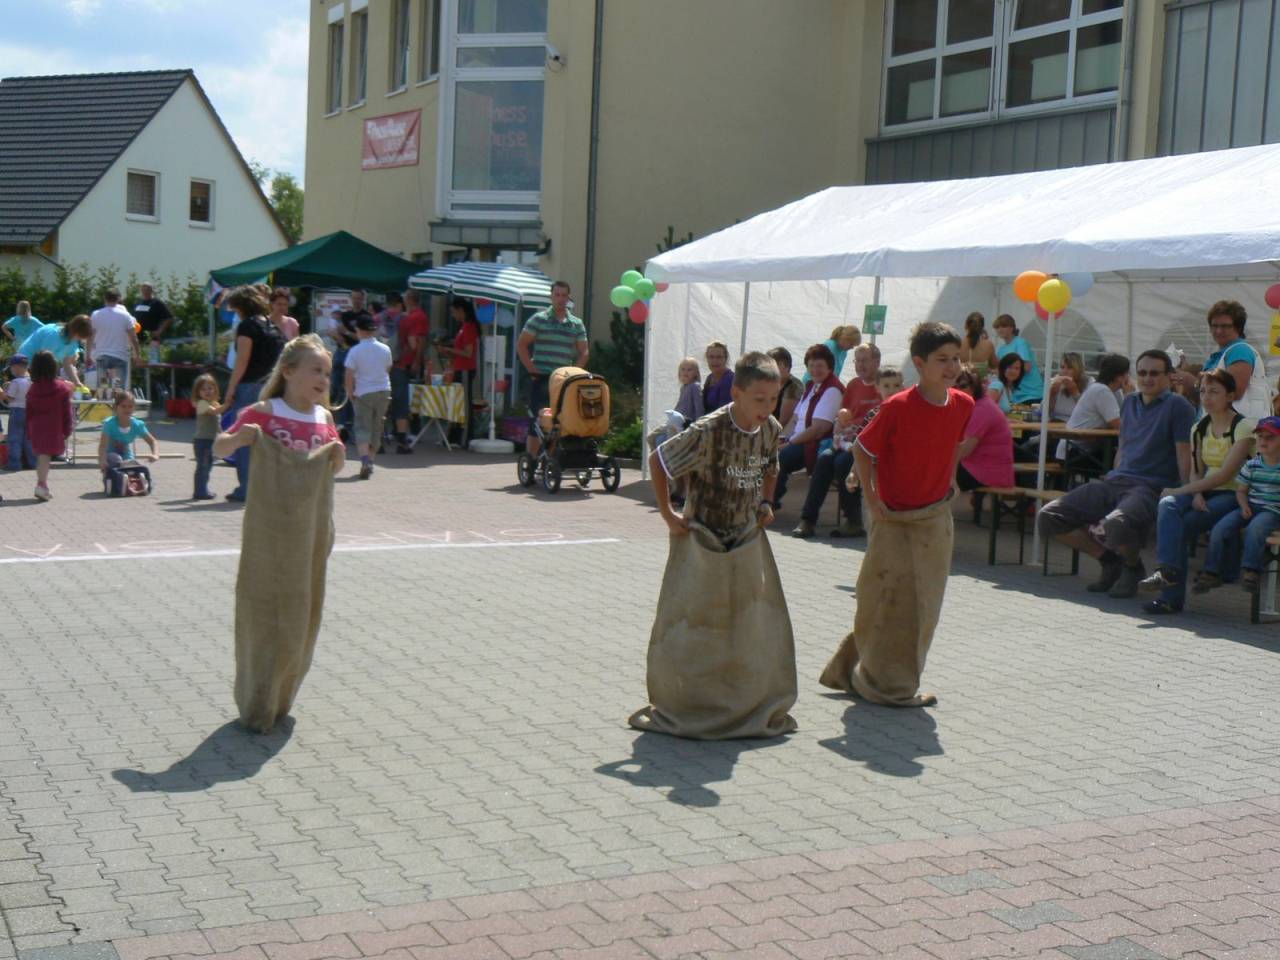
x=551 y=476
x=526 y=470
x=610 y=474
x=584 y=478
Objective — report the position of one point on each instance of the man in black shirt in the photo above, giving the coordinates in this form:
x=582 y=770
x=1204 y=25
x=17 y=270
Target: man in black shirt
x=153 y=313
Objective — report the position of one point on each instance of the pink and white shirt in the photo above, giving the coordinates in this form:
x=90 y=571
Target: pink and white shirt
x=297 y=431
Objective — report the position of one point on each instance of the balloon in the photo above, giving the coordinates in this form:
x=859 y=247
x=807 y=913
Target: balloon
x=631 y=277
x=1044 y=314
x=662 y=287
x=639 y=312
x=1273 y=296
x=1080 y=283
x=645 y=288
x=1027 y=283
x=137 y=327
x=622 y=297
x=1054 y=295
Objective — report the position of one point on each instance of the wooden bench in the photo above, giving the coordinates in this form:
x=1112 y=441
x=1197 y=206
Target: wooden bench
x=1012 y=502
x=1269 y=559
x=1050 y=469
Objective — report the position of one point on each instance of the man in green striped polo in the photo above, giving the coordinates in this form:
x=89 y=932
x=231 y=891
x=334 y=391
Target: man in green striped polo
x=551 y=339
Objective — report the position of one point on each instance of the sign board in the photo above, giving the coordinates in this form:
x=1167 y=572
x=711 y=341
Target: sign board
x=873 y=319
x=391 y=141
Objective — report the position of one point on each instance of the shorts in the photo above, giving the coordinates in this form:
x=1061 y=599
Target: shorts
x=539 y=394
x=1126 y=507
x=370 y=411
x=400 y=392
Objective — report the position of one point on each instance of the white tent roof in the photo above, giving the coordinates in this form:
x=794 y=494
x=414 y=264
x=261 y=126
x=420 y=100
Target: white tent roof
x=1164 y=214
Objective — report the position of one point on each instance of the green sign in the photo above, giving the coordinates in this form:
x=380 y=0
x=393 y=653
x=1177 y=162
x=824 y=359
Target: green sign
x=873 y=319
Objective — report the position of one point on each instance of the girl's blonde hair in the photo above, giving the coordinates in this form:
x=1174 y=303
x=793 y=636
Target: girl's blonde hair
x=291 y=356
x=1076 y=363
x=119 y=397
x=198 y=387
x=689 y=362
x=848 y=330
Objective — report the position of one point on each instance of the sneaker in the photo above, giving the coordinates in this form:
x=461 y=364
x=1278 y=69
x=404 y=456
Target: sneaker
x=234 y=497
x=848 y=528
x=1112 y=567
x=366 y=471
x=1206 y=581
x=804 y=530
x=1159 y=608
x=1126 y=584
x=1162 y=579
x=1249 y=581
x=205 y=496
x=42 y=493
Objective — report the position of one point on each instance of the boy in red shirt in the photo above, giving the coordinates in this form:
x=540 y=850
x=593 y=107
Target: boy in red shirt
x=906 y=462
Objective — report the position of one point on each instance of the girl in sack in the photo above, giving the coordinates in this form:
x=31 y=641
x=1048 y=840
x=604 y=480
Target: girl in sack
x=721 y=662
x=287 y=533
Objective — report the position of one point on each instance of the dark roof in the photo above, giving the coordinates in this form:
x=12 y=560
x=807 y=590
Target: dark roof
x=59 y=135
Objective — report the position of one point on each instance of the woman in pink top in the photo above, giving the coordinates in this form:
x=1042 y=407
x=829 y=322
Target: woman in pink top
x=283 y=322
x=986 y=453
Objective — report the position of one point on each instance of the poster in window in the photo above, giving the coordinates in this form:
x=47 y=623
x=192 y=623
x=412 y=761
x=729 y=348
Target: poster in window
x=391 y=141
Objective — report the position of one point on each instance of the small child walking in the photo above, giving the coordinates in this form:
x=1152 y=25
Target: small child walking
x=49 y=418
x=906 y=461
x=1257 y=517
x=209 y=409
x=721 y=661
x=368 y=384
x=21 y=456
x=287 y=533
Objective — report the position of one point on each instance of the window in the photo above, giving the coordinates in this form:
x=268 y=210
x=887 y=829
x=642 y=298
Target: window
x=399 y=45
x=334 y=99
x=965 y=60
x=141 y=196
x=1072 y=333
x=359 y=57
x=201 y=207
x=429 y=47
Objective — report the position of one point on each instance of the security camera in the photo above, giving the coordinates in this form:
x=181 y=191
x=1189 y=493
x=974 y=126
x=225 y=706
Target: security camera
x=555 y=60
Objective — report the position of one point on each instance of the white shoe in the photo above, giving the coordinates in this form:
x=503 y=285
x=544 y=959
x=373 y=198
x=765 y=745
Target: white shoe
x=42 y=493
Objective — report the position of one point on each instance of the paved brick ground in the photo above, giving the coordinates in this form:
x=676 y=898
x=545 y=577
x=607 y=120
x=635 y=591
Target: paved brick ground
x=460 y=782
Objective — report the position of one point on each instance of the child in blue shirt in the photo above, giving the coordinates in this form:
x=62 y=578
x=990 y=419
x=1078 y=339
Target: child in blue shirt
x=119 y=433
x=1258 y=494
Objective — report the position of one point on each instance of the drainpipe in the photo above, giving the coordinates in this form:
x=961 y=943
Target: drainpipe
x=593 y=165
x=1126 y=83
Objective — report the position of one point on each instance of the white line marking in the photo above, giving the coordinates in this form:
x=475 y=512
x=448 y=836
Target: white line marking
x=352 y=548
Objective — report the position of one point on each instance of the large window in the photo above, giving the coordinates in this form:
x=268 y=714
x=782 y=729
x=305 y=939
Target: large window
x=399 y=46
x=497 y=69
x=359 y=57
x=429 y=47
x=141 y=196
x=964 y=60
x=334 y=98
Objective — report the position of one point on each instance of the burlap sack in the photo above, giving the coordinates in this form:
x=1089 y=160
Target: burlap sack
x=899 y=601
x=286 y=540
x=722 y=661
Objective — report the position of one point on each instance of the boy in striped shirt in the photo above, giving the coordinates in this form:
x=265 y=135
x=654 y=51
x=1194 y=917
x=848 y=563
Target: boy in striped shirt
x=1258 y=495
x=551 y=339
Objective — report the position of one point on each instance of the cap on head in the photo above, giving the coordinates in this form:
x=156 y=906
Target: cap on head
x=18 y=360
x=1268 y=425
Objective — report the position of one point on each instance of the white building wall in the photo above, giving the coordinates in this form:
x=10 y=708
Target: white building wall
x=182 y=142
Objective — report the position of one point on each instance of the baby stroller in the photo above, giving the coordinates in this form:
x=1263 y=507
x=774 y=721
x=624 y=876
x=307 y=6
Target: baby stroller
x=570 y=431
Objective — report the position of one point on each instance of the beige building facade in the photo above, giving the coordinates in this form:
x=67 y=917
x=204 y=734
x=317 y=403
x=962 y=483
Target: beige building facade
x=575 y=132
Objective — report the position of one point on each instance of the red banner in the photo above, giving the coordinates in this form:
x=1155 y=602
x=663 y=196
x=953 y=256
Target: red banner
x=391 y=141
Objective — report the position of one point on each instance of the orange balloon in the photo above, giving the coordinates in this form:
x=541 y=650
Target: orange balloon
x=1027 y=284
x=137 y=327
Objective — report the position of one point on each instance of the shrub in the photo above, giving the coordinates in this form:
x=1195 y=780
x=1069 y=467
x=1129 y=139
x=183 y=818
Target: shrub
x=627 y=441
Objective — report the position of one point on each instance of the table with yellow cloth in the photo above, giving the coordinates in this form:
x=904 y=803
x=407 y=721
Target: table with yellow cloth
x=437 y=405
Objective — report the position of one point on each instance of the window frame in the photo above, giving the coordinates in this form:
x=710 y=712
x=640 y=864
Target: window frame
x=333 y=75
x=201 y=224
x=398 y=63
x=154 y=216
x=1003 y=36
x=430 y=25
x=358 y=94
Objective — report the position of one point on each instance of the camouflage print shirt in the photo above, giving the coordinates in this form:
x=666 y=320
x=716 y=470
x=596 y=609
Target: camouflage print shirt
x=726 y=467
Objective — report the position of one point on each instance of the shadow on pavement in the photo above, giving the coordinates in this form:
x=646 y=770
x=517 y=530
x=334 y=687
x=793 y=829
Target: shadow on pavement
x=887 y=739
x=229 y=753
x=686 y=766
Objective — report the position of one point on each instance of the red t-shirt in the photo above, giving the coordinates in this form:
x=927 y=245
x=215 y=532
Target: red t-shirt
x=467 y=337
x=914 y=443
x=860 y=398
x=412 y=324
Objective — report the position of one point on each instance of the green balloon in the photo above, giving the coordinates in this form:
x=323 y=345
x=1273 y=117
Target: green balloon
x=645 y=288
x=622 y=297
x=631 y=277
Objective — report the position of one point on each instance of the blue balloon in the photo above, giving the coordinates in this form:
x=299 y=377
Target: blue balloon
x=1080 y=283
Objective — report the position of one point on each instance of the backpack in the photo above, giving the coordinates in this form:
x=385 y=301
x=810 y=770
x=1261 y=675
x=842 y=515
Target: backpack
x=1202 y=428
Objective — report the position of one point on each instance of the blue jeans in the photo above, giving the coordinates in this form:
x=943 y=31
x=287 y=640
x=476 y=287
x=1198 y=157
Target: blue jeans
x=20 y=452
x=344 y=417
x=790 y=459
x=1178 y=524
x=831 y=464
x=112 y=368
x=204 y=465
x=1256 y=530
x=246 y=396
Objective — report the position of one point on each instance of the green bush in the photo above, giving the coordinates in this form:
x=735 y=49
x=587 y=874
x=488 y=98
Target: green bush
x=627 y=441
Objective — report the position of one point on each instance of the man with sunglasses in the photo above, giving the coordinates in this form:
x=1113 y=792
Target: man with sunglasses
x=1155 y=452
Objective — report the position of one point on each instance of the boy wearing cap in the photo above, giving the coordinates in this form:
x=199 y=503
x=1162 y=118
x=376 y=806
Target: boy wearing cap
x=368 y=382
x=1258 y=516
x=21 y=456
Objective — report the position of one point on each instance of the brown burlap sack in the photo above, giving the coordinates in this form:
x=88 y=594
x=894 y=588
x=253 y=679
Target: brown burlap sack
x=899 y=600
x=286 y=540
x=722 y=662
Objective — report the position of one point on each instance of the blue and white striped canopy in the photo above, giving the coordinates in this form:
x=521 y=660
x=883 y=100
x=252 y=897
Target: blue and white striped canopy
x=491 y=281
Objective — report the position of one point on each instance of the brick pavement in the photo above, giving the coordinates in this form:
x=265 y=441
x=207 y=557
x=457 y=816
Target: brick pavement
x=1092 y=785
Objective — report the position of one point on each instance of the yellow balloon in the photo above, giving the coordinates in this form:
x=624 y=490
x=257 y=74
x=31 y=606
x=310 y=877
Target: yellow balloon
x=1054 y=295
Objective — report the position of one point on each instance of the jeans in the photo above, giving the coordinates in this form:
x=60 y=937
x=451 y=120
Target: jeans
x=204 y=465
x=20 y=452
x=790 y=459
x=831 y=464
x=344 y=417
x=112 y=370
x=1178 y=524
x=246 y=396
x=1256 y=530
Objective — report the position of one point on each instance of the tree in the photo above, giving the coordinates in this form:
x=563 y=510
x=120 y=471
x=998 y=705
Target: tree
x=284 y=193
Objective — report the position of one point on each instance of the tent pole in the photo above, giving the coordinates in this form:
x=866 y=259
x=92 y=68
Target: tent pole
x=1128 y=351
x=875 y=299
x=1044 y=432
x=645 y=396
x=746 y=302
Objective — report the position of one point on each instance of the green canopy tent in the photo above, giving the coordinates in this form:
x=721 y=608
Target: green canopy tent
x=336 y=260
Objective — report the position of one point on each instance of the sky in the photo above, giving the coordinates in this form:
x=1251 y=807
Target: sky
x=250 y=57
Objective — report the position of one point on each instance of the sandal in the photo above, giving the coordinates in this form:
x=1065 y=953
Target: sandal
x=1206 y=581
x=1249 y=581
x=1160 y=607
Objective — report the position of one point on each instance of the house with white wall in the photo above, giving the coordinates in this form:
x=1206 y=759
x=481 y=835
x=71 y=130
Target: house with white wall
x=127 y=170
